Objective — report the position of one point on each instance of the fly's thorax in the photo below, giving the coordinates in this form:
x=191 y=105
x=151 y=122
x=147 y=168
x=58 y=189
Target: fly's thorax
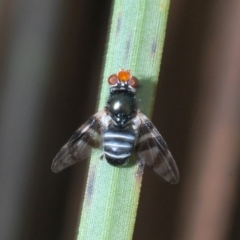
x=122 y=107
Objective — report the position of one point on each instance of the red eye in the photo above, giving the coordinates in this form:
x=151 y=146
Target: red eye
x=113 y=79
x=133 y=82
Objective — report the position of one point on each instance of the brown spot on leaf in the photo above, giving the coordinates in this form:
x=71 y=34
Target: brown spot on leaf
x=153 y=47
x=90 y=185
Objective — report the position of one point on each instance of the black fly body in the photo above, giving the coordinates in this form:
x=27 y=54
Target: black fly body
x=119 y=129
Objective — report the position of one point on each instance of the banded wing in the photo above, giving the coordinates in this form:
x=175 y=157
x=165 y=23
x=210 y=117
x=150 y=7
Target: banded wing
x=80 y=144
x=153 y=151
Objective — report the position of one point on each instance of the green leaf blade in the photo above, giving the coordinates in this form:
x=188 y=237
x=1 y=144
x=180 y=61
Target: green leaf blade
x=135 y=42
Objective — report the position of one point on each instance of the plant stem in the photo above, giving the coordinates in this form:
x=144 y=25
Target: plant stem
x=135 y=42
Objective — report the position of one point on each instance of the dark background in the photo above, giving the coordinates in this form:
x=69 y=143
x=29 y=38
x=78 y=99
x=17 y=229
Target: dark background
x=51 y=55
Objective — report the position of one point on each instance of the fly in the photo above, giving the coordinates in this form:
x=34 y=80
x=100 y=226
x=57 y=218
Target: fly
x=119 y=130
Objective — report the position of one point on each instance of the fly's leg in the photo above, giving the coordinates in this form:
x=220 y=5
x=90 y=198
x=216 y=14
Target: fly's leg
x=102 y=156
x=141 y=165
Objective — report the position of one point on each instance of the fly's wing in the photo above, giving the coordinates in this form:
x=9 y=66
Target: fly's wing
x=153 y=150
x=79 y=146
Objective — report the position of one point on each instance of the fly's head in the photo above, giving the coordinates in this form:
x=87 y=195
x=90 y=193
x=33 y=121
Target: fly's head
x=123 y=81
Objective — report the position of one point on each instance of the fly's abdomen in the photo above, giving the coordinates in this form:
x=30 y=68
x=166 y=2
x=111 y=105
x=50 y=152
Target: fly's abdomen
x=118 y=144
